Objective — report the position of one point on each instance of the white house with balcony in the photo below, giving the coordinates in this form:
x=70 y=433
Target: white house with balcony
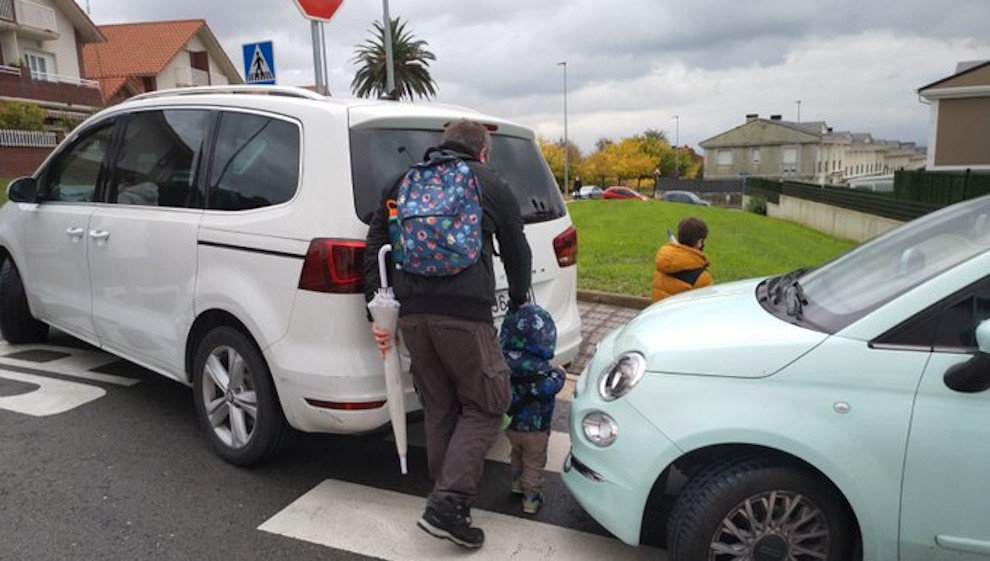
x=40 y=60
x=149 y=56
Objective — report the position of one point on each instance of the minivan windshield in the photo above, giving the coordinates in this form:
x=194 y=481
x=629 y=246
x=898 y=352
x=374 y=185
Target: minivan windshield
x=849 y=287
x=380 y=156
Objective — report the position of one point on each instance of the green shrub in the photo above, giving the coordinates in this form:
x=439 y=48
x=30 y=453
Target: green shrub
x=19 y=115
x=757 y=205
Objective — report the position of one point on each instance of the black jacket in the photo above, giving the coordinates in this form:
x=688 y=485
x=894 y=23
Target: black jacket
x=469 y=294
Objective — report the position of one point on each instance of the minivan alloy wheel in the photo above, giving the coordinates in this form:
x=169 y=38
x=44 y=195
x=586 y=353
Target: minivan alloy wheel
x=774 y=526
x=229 y=396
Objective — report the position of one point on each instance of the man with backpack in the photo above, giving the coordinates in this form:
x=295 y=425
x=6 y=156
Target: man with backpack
x=443 y=215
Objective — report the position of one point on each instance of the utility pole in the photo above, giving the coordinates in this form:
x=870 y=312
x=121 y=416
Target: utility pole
x=389 y=64
x=567 y=185
x=799 y=110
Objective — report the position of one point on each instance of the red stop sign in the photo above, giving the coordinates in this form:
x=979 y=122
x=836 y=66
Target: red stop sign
x=318 y=9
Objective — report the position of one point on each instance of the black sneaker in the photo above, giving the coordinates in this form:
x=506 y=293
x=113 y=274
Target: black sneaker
x=454 y=527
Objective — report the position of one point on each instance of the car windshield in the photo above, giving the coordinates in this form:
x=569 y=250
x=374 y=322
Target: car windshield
x=847 y=288
x=379 y=157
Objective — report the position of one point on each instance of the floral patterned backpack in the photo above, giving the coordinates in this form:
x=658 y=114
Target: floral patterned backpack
x=439 y=215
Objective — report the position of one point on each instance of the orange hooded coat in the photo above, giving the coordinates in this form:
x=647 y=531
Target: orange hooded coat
x=679 y=268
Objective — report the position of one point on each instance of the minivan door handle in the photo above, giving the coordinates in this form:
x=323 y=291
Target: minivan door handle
x=99 y=235
x=74 y=232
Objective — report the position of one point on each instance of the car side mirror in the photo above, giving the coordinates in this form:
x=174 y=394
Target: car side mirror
x=23 y=190
x=973 y=375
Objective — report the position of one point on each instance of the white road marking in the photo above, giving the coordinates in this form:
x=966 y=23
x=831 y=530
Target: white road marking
x=382 y=524
x=557 y=448
x=50 y=398
x=77 y=364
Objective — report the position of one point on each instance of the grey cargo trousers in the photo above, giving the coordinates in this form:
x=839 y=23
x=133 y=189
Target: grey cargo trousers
x=460 y=372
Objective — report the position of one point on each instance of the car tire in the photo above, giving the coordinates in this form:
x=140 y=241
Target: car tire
x=235 y=398
x=721 y=515
x=16 y=322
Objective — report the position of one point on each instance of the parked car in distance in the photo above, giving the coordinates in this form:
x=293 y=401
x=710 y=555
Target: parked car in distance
x=210 y=235
x=620 y=192
x=588 y=192
x=836 y=413
x=684 y=197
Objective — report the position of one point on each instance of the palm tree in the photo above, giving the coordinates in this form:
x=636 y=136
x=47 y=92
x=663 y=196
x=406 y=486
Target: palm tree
x=412 y=61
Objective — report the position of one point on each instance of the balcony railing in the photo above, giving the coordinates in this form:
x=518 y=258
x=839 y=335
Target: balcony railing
x=49 y=77
x=27 y=139
x=29 y=14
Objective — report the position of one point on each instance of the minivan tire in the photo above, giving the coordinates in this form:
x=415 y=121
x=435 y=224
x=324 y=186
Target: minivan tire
x=719 y=494
x=16 y=322
x=225 y=409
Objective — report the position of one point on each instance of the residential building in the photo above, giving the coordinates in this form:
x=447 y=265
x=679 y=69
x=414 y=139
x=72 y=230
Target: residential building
x=40 y=43
x=959 y=130
x=148 y=56
x=809 y=151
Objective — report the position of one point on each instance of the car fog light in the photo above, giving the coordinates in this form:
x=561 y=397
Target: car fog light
x=621 y=376
x=600 y=429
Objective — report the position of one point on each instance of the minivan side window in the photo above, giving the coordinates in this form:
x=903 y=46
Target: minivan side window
x=156 y=164
x=255 y=162
x=74 y=174
x=956 y=329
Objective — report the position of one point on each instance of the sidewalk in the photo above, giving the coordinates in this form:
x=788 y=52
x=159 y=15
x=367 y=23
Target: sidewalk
x=597 y=320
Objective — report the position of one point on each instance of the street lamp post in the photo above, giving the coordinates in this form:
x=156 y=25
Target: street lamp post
x=798 y=102
x=566 y=159
x=677 y=142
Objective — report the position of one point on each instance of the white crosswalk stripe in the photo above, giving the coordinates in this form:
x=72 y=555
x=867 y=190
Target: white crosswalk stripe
x=380 y=523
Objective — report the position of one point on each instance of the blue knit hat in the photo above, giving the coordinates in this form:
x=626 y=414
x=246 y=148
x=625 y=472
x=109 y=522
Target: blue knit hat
x=529 y=329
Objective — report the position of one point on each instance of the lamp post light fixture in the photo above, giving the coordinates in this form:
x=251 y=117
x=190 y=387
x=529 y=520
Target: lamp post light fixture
x=567 y=185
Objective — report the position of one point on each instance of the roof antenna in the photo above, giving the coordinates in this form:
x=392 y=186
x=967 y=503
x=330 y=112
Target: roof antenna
x=88 y=11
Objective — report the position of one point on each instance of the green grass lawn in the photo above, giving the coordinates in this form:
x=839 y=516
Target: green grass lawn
x=617 y=241
x=3 y=189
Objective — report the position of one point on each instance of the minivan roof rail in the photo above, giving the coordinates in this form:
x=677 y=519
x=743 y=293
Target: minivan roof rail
x=287 y=91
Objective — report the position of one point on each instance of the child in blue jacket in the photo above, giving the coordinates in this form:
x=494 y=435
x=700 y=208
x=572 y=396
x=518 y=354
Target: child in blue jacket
x=528 y=339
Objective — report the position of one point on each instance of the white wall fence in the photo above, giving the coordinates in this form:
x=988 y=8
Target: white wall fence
x=27 y=139
x=832 y=220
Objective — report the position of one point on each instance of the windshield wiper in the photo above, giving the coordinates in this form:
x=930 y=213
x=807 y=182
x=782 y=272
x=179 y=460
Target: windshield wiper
x=795 y=306
x=779 y=285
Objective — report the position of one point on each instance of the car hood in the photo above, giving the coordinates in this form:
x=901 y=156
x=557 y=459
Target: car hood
x=721 y=330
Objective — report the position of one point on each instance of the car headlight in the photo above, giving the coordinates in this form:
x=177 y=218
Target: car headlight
x=621 y=376
x=600 y=429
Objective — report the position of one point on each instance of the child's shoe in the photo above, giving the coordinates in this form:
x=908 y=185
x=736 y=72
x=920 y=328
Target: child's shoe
x=532 y=502
x=517 y=488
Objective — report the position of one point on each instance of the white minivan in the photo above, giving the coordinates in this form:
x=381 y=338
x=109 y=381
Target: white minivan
x=216 y=235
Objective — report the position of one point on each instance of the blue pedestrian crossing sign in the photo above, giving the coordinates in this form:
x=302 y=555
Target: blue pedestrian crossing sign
x=259 y=63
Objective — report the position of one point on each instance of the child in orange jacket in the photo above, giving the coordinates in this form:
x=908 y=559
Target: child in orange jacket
x=682 y=264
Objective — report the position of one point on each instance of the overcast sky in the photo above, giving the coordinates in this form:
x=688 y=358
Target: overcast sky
x=634 y=64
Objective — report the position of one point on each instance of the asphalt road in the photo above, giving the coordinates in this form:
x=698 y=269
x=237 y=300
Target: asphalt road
x=124 y=472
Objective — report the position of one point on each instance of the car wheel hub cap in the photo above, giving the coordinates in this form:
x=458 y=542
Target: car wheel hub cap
x=772 y=526
x=229 y=397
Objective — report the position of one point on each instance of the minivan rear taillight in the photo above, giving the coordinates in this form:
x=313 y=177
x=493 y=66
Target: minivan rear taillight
x=566 y=247
x=334 y=266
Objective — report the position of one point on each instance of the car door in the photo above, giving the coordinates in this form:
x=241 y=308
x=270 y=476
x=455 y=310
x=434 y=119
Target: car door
x=54 y=267
x=142 y=254
x=944 y=511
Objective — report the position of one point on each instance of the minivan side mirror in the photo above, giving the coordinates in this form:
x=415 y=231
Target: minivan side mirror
x=23 y=190
x=973 y=375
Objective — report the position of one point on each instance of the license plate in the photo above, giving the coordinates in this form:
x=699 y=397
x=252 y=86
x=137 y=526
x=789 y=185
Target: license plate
x=501 y=305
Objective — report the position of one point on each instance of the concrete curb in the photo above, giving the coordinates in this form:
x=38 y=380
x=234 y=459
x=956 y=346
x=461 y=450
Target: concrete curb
x=621 y=300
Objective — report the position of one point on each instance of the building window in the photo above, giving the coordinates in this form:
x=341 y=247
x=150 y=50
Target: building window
x=725 y=157
x=42 y=65
x=755 y=153
x=789 y=157
x=150 y=83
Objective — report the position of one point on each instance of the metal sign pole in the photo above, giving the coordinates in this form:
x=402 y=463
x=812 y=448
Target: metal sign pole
x=389 y=68
x=323 y=57
x=317 y=56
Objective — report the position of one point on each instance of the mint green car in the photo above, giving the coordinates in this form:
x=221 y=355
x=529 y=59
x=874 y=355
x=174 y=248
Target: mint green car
x=832 y=414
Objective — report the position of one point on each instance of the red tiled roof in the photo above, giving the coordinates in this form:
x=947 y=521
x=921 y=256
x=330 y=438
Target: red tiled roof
x=135 y=49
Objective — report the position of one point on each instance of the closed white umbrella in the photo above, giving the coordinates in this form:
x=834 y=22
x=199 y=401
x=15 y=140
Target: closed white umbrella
x=384 y=310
